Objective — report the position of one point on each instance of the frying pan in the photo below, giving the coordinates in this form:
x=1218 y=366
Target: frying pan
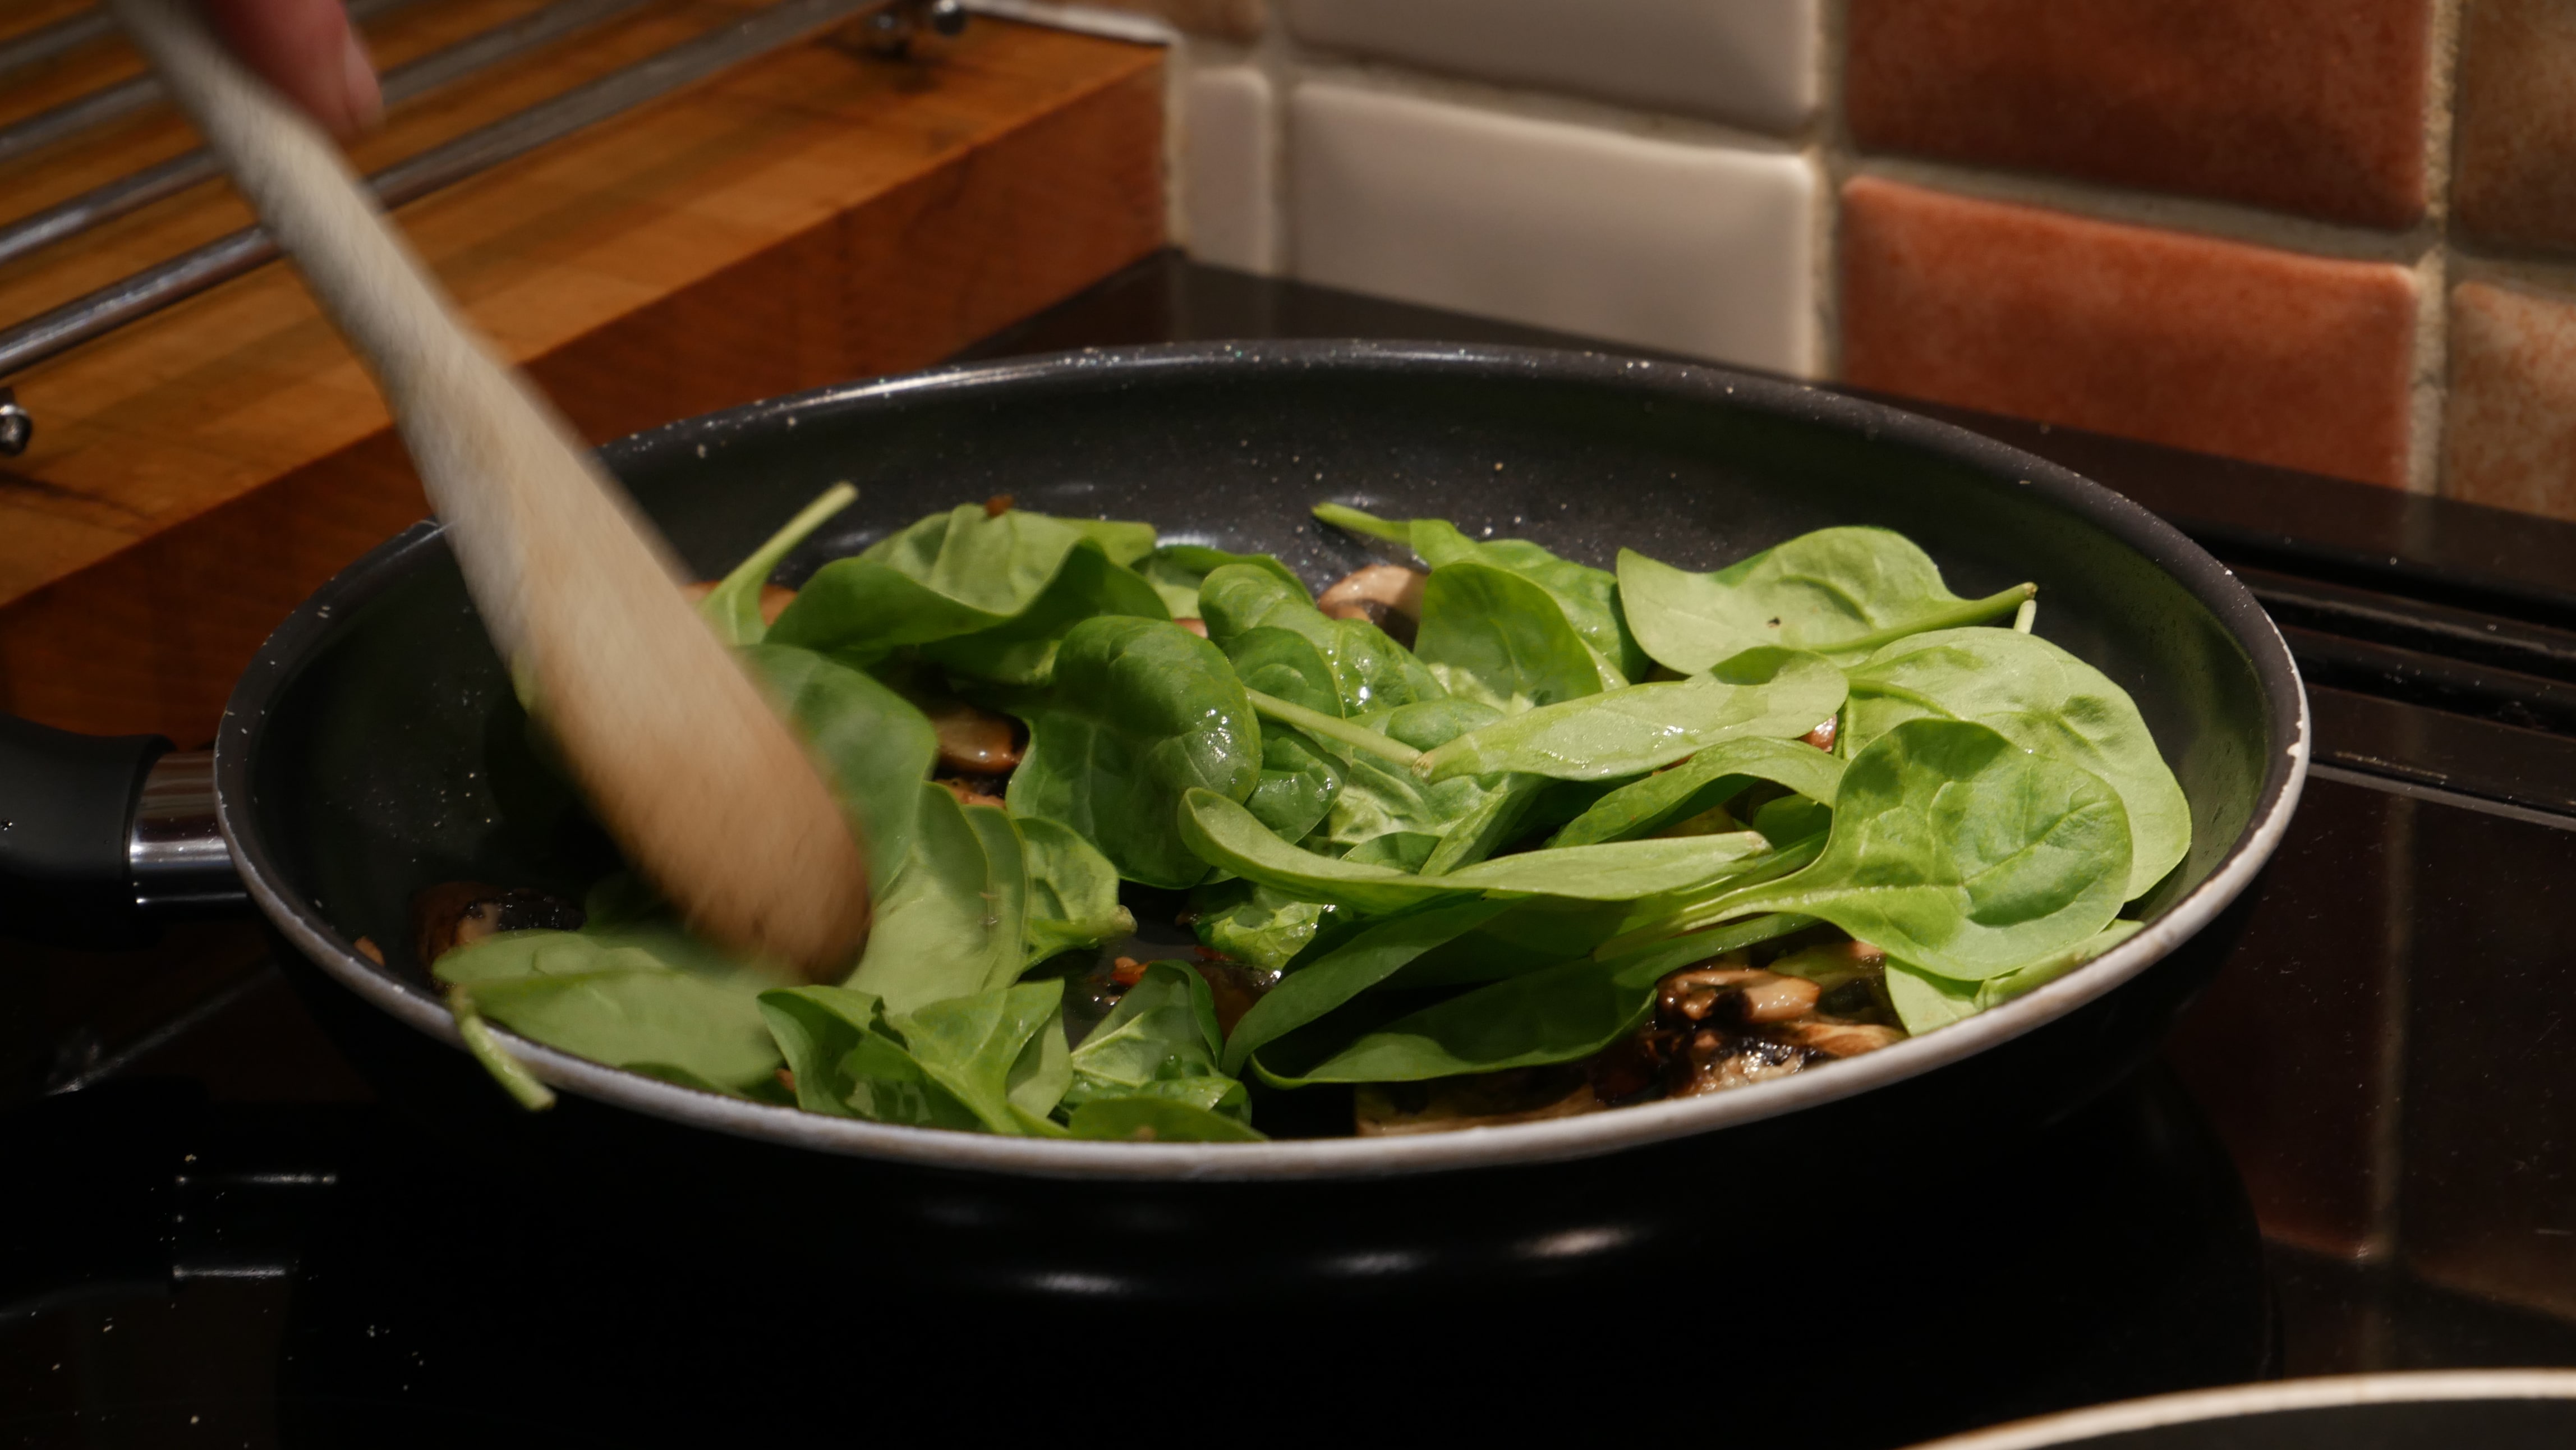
x=374 y=748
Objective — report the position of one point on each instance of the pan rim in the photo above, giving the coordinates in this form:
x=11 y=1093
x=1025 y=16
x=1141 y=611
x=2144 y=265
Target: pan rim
x=1585 y=1136
x=2243 y=1402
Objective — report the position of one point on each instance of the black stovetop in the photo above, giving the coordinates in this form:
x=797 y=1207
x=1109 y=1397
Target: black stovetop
x=2359 y=1152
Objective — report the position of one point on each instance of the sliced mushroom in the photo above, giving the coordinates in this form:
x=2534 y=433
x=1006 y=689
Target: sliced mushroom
x=973 y=741
x=1822 y=737
x=1193 y=624
x=1838 y=1039
x=1738 y=995
x=461 y=913
x=1232 y=987
x=1386 y=595
x=1719 y=1061
x=774 y=598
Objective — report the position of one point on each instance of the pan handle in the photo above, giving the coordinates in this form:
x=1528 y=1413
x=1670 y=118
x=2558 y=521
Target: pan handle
x=104 y=837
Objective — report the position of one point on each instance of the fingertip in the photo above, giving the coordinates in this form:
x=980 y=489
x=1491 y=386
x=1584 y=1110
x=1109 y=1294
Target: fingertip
x=362 y=96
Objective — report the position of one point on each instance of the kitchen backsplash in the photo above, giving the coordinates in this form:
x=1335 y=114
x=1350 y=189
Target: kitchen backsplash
x=2337 y=235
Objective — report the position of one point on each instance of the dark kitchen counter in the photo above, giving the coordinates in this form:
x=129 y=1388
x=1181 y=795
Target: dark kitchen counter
x=2359 y=1152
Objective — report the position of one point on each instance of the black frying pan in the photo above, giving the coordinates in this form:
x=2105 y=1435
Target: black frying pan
x=374 y=748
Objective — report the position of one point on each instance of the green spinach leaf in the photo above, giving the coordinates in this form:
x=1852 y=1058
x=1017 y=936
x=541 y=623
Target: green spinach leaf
x=1000 y=1053
x=872 y=743
x=1226 y=835
x=1494 y=637
x=1362 y=669
x=1334 y=978
x=2040 y=698
x=951 y=925
x=1776 y=693
x=1925 y=1000
x=1072 y=895
x=1588 y=597
x=994 y=594
x=1710 y=778
x=648 y=999
x=1177 y=570
x=733 y=606
x=1141 y=712
x=1254 y=924
x=1959 y=851
x=1157 y=1120
x=1160 y=1041
x=1838 y=592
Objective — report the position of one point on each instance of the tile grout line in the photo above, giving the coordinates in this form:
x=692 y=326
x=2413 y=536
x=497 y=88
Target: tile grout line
x=1831 y=158
x=2430 y=393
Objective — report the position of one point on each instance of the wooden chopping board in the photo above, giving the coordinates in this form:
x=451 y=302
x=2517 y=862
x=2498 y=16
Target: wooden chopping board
x=818 y=215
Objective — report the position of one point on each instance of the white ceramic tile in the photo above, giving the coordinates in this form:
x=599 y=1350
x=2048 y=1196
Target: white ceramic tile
x=1694 y=249
x=1228 y=179
x=1751 y=61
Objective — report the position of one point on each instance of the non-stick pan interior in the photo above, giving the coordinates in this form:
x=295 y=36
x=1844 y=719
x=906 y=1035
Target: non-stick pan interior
x=397 y=756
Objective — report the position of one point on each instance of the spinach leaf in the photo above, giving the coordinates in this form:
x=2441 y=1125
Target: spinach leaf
x=1430 y=724
x=1710 y=778
x=1000 y=1053
x=1957 y=850
x=1488 y=826
x=1588 y=597
x=1254 y=924
x=1142 y=711
x=2040 y=698
x=1925 y=1000
x=1157 y=1120
x=875 y=747
x=1177 y=570
x=1160 y=1041
x=1496 y=638
x=951 y=924
x=648 y=999
x=1227 y=835
x=994 y=593
x=1246 y=609
x=1556 y=1014
x=733 y=606
x=1559 y=1013
x=1334 y=978
x=1072 y=895
x=1297 y=788
x=816 y=1029
x=1839 y=592
x=1775 y=693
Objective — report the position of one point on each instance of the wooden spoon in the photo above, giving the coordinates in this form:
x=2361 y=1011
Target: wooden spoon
x=687 y=765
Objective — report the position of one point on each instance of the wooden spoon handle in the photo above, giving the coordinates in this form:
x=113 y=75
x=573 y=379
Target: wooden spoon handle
x=687 y=765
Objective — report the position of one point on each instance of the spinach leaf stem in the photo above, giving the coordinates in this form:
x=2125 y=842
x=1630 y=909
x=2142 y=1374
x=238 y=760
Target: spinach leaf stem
x=1346 y=517
x=2027 y=615
x=1316 y=722
x=508 y=1071
x=1973 y=611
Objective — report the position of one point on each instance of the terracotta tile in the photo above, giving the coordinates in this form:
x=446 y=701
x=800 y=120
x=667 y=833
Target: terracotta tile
x=2513 y=166
x=2311 y=106
x=1753 y=64
x=2511 y=434
x=2174 y=338
x=1696 y=249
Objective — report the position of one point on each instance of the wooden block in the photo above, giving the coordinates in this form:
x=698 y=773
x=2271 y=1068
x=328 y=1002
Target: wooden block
x=816 y=216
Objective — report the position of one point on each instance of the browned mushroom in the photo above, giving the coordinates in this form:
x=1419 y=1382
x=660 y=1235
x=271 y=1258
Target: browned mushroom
x=973 y=741
x=774 y=598
x=1719 y=1060
x=1838 y=1039
x=1822 y=737
x=1232 y=986
x=1738 y=994
x=1386 y=595
x=461 y=913
x=1193 y=624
